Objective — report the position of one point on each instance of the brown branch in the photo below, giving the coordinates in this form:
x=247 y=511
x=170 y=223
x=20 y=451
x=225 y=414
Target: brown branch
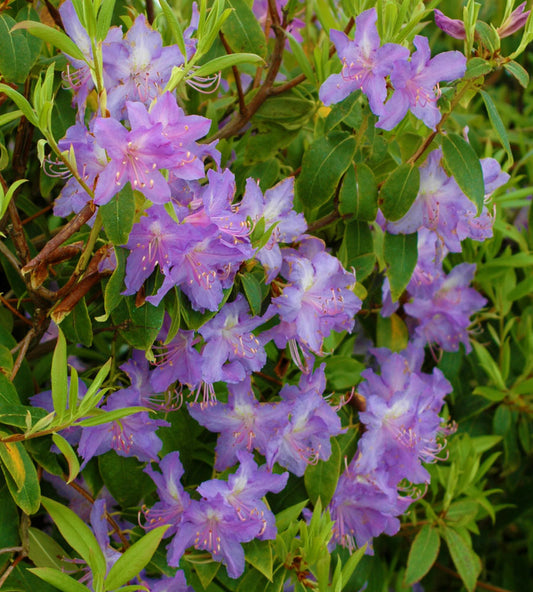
x=17 y=313
x=108 y=516
x=11 y=567
x=479 y=584
x=150 y=14
x=24 y=345
x=236 y=75
x=37 y=214
x=65 y=233
x=54 y=13
x=240 y=120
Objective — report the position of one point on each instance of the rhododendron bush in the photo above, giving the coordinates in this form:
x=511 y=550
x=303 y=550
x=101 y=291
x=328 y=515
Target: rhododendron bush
x=265 y=309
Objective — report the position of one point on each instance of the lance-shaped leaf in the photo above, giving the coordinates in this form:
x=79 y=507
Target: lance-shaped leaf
x=59 y=579
x=59 y=376
x=423 y=553
x=226 y=61
x=77 y=534
x=53 y=36
x=322 y=168
x=401 y=252
x=463 y=163
x=399 y=191
x=242 y=30
x=134 y=559
x=15 y=57
x=466 y=561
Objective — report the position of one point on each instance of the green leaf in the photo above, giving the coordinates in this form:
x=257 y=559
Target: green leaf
x=242 y=30
x=349 y=111
x=8 y=393
x=124 y=478
x=100 y=417
x=174 y=26
x=139 y=326
x=77 y=325
x=322 y=168
x=463 y=163
x=59 y=579
x=519 y=72
x=20 y=475
x=359 y=192
x=289 y=515
x=288 y=111
x=423 y=554
x=227 y=61
x=134 y=558
x=301 y=58
x=118 y=216
x=259 y=555
x=400 y=252
x=465 y=560
x=206 y=572
x=357 y=249
x=349 y=567
x=477 y=67
x=21 y=102
x=44 y=551
x=105 y=16
x=489 y=365
x=252 y=291
x=59 y=376
x=392 y=333
x=115 y=285
x=343 y=372
x=53 y=36
x=15 y=56
x=321 y=479
x=77 y=534
x=399 y=191
x=497 y=123
x=69 y=454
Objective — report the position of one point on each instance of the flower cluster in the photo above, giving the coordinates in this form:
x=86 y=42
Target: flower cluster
x=366 y=64
x=200 y=243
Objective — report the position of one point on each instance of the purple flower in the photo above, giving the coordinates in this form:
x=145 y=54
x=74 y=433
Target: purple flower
x=415 y=82
x=181 y=131
x=152 y=242
x=276 y=209
x=443 y=208
x=401 y=417
x=133 y=435
x=174 y=500
x=178 y=361
x=453 y=27
x=141 y=75
x=135 y=156
x=231 y=350
x=317 y=299
x=365 y=64
x=242 y=423
x=214 y=526
x=363 y=507
x=177 y=583
x=444 y=308
x=516 y=20
x=243 y=492
x=304 y=437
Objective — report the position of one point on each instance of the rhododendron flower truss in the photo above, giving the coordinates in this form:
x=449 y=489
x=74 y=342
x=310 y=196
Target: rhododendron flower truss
x=415 y=84
x=317 y=299
x=365 y=65
x=275 y=207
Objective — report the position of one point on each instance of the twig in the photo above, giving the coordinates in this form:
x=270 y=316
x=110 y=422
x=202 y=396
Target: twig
x=479 y=584
x=37 y=214
x=11 y=567
x=66 y=232
x=237 y=123
x=236 y=75
x=108 y=516
x=15 y=311
x=150 y=14
x=24 y=344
